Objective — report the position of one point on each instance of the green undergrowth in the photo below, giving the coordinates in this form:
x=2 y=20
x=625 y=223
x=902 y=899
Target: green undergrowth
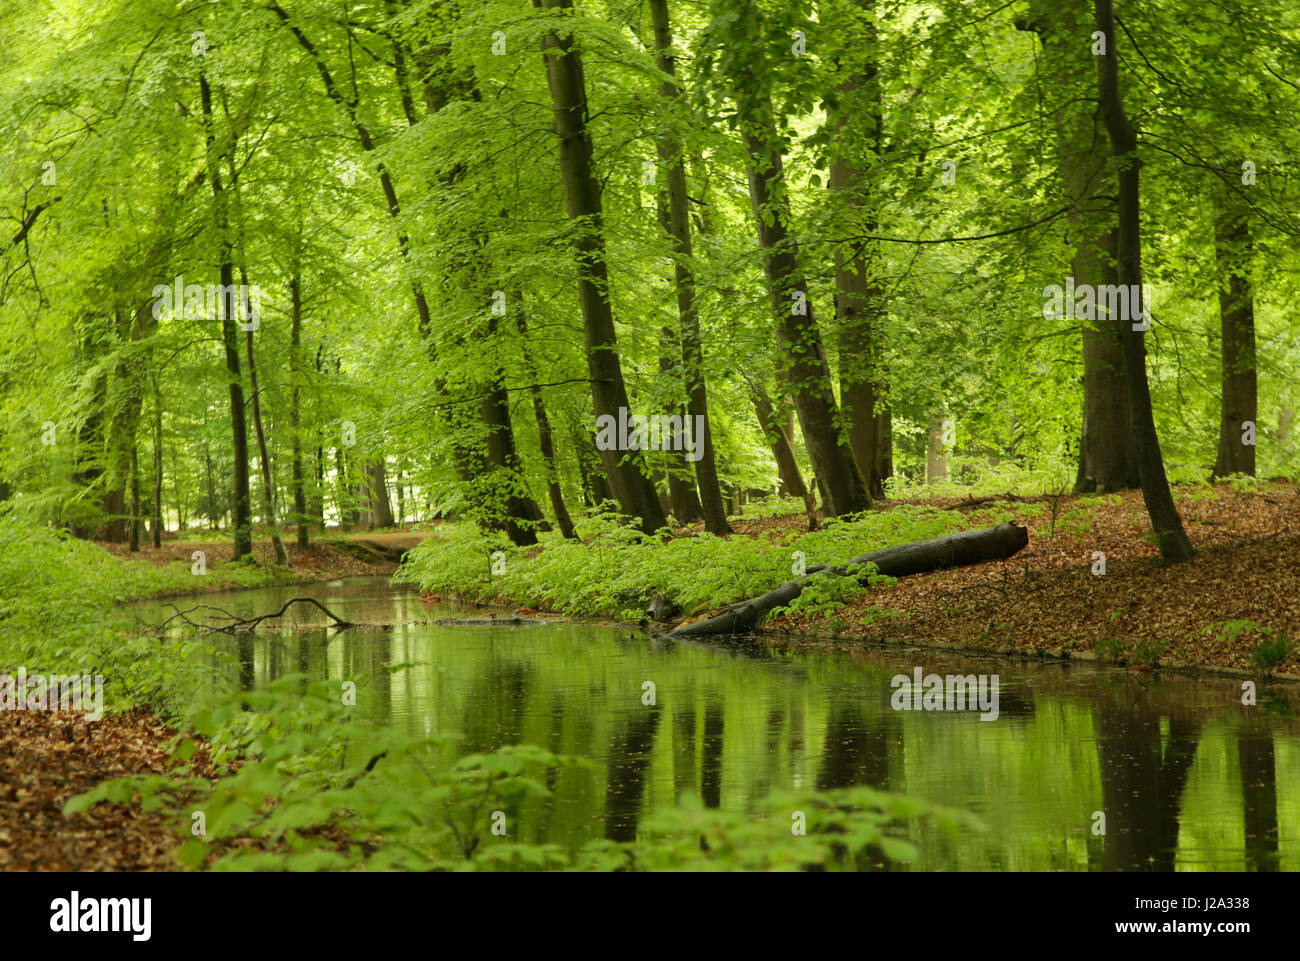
x=612 y=566
x=318 y=789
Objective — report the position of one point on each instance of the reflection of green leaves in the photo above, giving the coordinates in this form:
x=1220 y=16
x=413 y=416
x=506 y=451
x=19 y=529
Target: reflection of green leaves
x=843 y=827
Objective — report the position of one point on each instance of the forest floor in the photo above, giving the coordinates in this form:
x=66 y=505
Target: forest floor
x=335 y=555
x=1212 y=612
x=48 y=757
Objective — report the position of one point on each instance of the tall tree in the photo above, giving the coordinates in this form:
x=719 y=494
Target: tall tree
x=804 y=367
x=1165 y=519
x=679 y=226
x=241 y=505
x=1107 y=444
x=582 y=201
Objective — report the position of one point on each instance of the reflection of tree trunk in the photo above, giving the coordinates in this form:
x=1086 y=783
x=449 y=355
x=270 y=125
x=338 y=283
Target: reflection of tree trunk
x=855 y=753
x=1142 y=785
x=1259 y=799
x=246 y=665
x=629 y=756
x=683 y=750
x=711 y=751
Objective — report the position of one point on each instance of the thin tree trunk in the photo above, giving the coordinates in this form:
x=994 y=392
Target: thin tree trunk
x=157 y=464
x=299 y=479
x=583 y=206
x=545 y=440
x=242 y=520
x=1165 y=519
x=1239 y=404
x=709 y=503
x=136 y=519
x=779 y=439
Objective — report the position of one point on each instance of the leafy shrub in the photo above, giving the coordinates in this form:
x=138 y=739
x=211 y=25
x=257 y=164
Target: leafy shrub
x=1268 y=654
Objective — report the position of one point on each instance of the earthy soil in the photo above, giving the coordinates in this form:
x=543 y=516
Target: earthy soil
x=1047 y=601
x=337 y=555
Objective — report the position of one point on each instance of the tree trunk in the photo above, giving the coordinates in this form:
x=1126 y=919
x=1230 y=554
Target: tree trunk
x=682 y=499
x=860 y=300
x=1107 y=448
x=298 y=476
x=242 y=520
x=782 y=444
x=952 y=550
x=709 y=503
x=936 y=456
x=1165 y=519
x=157 y=464
x=378 y=506
x=136 y=519
x=1239 y=403
x=583 y=207
x=805 y=369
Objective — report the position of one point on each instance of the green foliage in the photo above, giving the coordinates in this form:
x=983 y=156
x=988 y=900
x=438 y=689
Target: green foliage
x=1269 y=653
x=613 y=559
x=846 y=829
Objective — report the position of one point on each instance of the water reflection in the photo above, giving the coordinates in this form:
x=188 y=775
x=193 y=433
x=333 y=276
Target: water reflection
x=1187 y=778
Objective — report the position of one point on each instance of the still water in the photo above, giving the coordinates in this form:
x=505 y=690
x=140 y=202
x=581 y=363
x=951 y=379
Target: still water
x=1187 y=777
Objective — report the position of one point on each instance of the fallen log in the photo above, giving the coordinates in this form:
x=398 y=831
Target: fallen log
x=953 y=550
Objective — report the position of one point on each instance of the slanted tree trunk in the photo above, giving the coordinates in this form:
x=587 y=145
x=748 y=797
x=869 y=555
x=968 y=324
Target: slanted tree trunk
x=709 y=503
x=953 y=550
x=1239 y=404
x=1165 y=519
x=583 y=207
x=805 y=371
x=780 y=440
x=545 y=439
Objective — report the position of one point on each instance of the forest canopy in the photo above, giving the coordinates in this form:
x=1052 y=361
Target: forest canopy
x=302 y=264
